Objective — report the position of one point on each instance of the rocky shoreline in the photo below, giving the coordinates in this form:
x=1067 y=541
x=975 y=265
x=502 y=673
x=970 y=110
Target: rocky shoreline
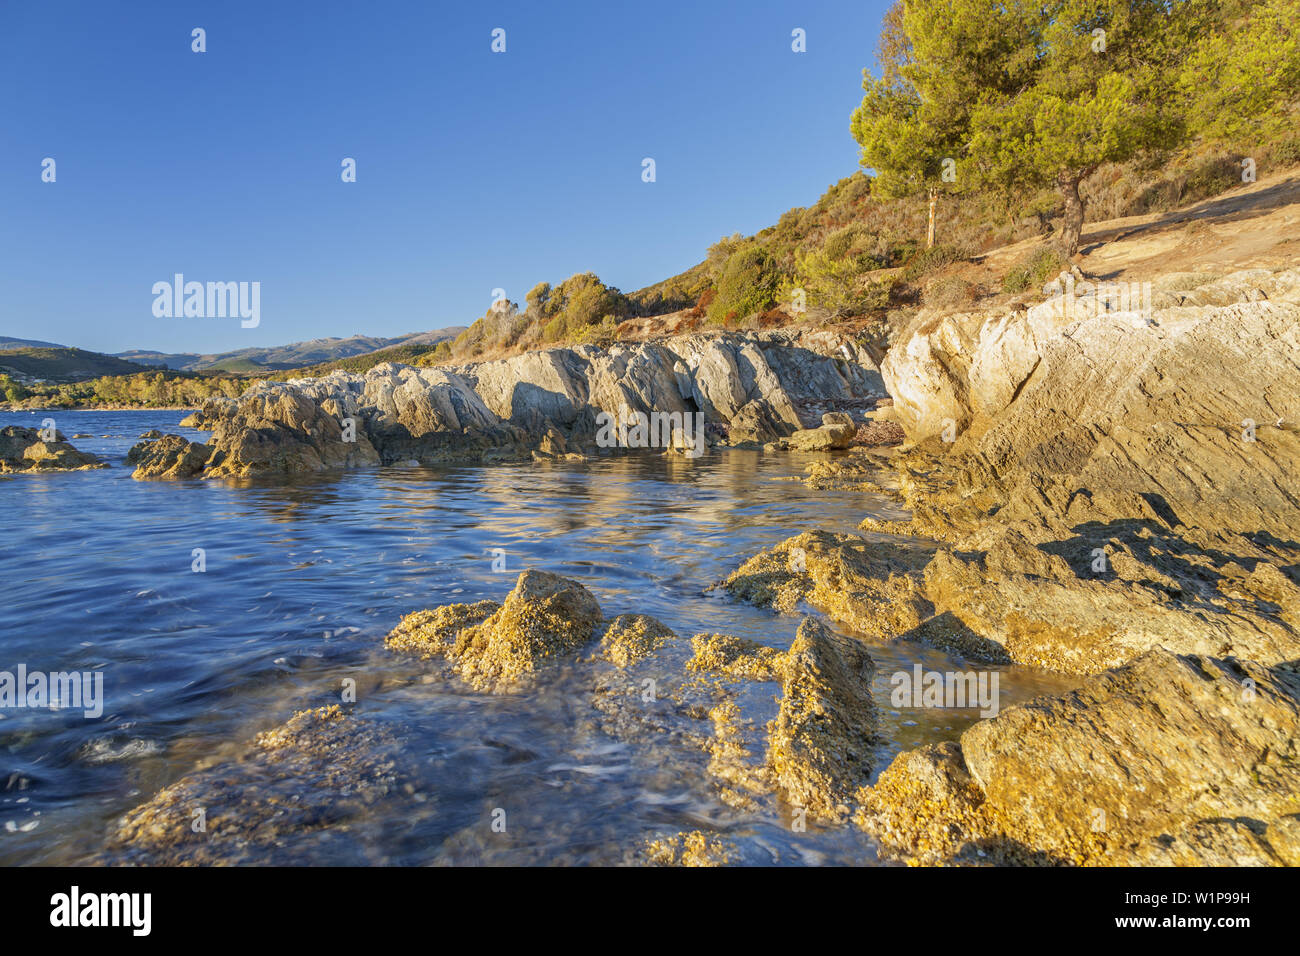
x=1116 y=496
x=682 y=394
x=1112 y=496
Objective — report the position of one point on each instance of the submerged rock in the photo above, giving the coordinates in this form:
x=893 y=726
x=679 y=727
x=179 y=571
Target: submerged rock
x=693 y=848
x=820 y=744
x=1185 y=760
x=631 y=638
x=315 y=773
x=496 y=648
x=23 y=449
x=735 y=657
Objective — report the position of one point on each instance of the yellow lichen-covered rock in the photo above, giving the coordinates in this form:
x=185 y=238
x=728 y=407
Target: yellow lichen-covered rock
x=24 y=449
x=1170 y=759
x=276 y=428
x=320 y=769
x=432 y=633
x=695 y=848
x=820 y=744
x=168 y=456
x=824 y=438
x=495 y=649
x=925 y=806
x=630 y=638
x=740 y=775
x=736 y=657
x=872 y=586
x=1104 y=595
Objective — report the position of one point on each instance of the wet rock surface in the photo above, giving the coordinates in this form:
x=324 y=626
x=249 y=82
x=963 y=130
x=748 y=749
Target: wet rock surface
x=820 y=744
x=499 y=647
x=630 y=638
x=694 y=848
x=316 y=773
x=873 y=586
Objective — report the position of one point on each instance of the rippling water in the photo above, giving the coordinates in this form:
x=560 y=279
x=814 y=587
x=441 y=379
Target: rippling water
x=305 y=577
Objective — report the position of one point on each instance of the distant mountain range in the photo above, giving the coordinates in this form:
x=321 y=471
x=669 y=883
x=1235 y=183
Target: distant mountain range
x=294 y=355
x=48 y=361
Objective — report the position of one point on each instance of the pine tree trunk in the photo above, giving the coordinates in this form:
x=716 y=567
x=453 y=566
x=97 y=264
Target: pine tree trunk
x=1072 y=227
x=934 y=201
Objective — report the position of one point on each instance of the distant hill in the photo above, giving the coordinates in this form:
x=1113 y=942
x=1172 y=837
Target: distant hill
x=173 y=360
x=292 y=356
x=410 y=353
x=57 y=364
x=8 y=343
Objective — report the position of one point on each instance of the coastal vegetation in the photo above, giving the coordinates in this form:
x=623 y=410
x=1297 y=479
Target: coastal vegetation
x=156 y=389
x=1086 y=110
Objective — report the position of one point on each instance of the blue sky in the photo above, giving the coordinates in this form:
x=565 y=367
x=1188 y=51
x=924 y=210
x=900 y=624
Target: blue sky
x=475 y=170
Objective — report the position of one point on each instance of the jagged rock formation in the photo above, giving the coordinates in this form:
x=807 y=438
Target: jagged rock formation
x=1115 y=481
x=747 y=387
x=964 y=368
x=820 y=744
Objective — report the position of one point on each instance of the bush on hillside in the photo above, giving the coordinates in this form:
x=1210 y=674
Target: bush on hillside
x=949 y=292
x=747 y=283
x=1033 y=269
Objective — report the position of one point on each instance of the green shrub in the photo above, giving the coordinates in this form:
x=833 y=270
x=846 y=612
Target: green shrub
x=1031 y=271
x=554 y=330
x=930 y=260
x=838 y=285
x=538 y=295
x=949 y=292
x=747 y=283
x=1285 y=153
x=1209 y=177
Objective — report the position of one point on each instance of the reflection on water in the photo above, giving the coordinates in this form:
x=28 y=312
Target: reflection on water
x=303 y=578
